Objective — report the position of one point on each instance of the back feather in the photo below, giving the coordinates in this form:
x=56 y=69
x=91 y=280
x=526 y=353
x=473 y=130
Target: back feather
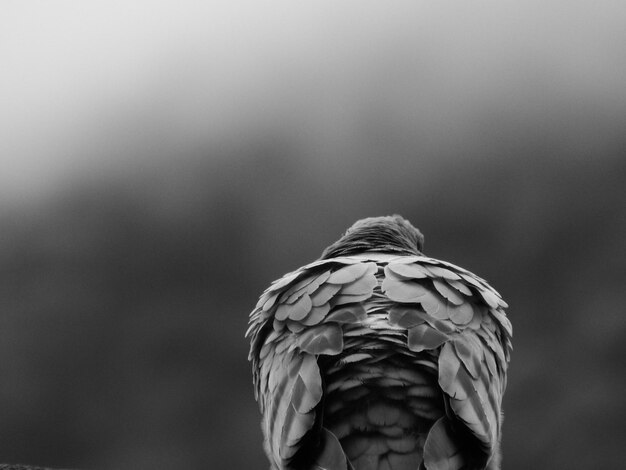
x=380 y=359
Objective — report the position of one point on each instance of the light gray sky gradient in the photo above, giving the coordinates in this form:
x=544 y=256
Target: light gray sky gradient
x=88 y=86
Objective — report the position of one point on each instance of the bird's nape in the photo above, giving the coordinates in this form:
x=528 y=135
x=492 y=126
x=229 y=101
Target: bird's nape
x=388 y=234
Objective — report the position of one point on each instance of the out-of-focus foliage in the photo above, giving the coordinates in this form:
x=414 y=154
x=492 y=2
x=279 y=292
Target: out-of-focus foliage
x=176 y=159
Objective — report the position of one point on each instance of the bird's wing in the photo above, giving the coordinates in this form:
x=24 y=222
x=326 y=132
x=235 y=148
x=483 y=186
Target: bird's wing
x=312 y=302
x=445 y=307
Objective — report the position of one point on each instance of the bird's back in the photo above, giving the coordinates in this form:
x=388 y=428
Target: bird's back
x=381 y=401
x=380 y=362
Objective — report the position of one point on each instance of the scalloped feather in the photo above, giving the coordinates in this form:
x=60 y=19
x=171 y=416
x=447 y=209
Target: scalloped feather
x=321 y=339
x=404 y=291
x=316 y=315
x=407 y=271
x=449 y=293
x=461 y=314
x=364 y=285
x=406 y=317
x=331 y=456
x=469 y=354
x=352 y=313
x=458 y=285
x=440 y=450
x=424 y=337
x=294 y=311
x=438 y=271
x=348 y=273
x=324 y=293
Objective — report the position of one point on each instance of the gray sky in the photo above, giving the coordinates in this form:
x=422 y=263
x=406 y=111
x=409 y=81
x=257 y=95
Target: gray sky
x=86 y=85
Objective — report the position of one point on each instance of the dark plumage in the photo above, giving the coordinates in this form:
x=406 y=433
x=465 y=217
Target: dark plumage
x=390 y=234
x=376 y=357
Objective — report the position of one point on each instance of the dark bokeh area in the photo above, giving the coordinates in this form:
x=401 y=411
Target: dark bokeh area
x=124 y=304
x=158 y=174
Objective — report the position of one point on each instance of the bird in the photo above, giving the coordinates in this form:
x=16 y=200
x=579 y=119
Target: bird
x=378 y=357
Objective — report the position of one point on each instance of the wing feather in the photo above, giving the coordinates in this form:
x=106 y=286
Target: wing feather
x=297 y=319
x=446 y=308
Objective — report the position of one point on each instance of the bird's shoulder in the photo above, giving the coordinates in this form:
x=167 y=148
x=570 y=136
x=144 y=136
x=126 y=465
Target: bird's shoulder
x=305 y=297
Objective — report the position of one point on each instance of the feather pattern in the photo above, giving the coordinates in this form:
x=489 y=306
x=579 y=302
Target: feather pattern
x=380 y=360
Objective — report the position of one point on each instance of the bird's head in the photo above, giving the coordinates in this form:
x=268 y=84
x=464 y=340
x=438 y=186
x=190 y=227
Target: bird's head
x=390 y=234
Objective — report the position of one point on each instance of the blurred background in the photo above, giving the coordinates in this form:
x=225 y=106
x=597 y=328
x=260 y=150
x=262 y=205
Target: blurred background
x=161 y=162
